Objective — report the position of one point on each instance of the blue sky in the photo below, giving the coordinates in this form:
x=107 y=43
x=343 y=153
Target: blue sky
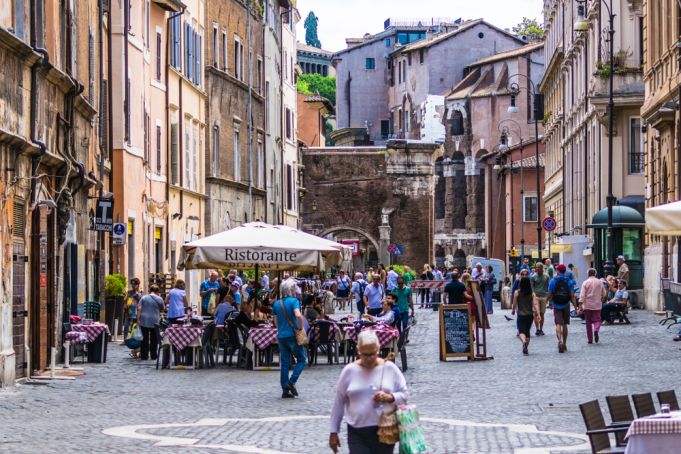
x=339 y=19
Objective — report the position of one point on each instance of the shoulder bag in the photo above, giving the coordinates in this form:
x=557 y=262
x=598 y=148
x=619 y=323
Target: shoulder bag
x=388 y=429
x=301 y=335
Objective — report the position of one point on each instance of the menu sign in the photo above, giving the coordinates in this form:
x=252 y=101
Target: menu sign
x=456 y=331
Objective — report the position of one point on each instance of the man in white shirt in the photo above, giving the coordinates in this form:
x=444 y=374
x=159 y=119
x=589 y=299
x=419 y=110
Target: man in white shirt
x=478 y=273
x=391 y=281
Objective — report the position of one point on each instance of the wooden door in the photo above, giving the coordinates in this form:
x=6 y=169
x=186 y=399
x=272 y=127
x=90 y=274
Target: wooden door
x=19 y=312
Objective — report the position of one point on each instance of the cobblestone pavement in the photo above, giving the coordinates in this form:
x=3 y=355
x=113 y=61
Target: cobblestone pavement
x=509 y=404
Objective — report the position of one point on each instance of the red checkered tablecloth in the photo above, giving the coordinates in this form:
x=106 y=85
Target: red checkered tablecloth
x=181 y=336
x=92 y=331
x=263 y=336
x=655 y=425
x=385 y=334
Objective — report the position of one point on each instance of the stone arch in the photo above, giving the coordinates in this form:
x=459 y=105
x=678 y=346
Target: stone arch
x=341 y=228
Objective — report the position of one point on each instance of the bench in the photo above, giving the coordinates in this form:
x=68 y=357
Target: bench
x=672 y=303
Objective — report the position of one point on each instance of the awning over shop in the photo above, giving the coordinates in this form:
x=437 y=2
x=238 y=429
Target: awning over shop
x=664 y=219
x=263 y=246
x=622 y=216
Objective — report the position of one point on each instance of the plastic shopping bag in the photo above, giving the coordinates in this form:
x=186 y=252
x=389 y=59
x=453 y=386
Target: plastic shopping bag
x=136 y=333
x=412 y=439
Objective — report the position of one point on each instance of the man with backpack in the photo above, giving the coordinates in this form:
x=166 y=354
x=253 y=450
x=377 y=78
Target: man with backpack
x=357 y=292
x=560 y=295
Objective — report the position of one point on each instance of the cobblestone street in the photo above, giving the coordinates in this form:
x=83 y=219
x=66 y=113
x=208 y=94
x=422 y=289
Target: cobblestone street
x=509 y=404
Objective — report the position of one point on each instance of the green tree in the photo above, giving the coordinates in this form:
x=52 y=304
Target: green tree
x=531 y=29
x=310 y=84
x=311 y=38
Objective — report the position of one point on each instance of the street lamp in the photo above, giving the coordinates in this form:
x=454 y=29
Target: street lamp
x=582 y=25
x=538 y=112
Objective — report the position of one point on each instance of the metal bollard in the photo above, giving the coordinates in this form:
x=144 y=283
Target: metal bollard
x=53 y=362
x=67 y=354
x=115 y=332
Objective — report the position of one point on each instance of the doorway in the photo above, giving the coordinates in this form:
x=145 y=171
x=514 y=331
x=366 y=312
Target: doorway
x=19 y=307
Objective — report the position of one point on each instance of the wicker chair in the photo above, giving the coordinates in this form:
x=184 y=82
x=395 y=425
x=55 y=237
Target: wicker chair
x=644 y=404
x=621 y=415
x=597 y=431
x=668 y=397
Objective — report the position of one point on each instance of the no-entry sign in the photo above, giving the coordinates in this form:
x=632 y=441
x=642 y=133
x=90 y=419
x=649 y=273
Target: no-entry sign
x=549 y=224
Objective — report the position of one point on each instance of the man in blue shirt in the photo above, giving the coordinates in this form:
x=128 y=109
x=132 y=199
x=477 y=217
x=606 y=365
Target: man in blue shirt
x=208 y=287
x=288 y=318
x=391 y=280
x=373 y=295
x=561 y=294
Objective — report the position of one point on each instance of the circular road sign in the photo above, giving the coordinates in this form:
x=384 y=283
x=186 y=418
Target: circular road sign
x=549 y=224
x=119 y=229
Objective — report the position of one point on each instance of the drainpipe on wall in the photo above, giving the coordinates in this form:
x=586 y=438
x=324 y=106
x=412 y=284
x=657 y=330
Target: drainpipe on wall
x=250 y=115
x=44 y=61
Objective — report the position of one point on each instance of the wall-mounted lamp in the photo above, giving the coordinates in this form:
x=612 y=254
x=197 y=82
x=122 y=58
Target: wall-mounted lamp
x=513 y=108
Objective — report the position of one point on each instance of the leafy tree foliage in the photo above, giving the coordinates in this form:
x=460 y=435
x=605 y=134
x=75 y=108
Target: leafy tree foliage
x=316 y=83
x=531 y=29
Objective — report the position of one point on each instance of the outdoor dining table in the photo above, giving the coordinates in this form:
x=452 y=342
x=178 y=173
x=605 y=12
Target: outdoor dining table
x=96 y=338
x=659 y=434
x=180 y=337
x=387 y=335
x=260 y=338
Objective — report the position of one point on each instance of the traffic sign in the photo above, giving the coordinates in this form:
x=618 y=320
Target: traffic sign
x=398 y=250
x=392 y=248
x=119 y=233
x=549 y=224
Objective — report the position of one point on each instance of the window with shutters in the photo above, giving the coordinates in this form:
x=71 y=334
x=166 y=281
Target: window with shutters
x=146 y=138
x=216 y=47
x=289 y=187
x=288 y=124
x=104 y=118
x=237 y=64
x=224 y=50
x=159 y=50
x=174 y=151
x=259 y=75
x=215 y=165
x=188 y=153
x=158 y=149
x=237 y=157
x=91 y=67
x=267 y=106
x=18 y=218
x=176 y=43
x=195 y=160
x=188 y=52
x=260 y=178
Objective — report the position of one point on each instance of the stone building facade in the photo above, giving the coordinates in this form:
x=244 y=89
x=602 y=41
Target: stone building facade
x=51 y=163
x=393 y=185
x=362 y=77
x=581 y=122
x=315 y=61
x=235 y=164
x=661 y=115
x=476 y=118
x=426 y=67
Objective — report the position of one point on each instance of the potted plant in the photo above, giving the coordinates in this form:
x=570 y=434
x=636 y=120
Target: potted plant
x=115 y=286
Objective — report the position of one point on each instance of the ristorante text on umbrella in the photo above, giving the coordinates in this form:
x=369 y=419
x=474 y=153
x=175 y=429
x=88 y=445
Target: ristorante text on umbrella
x=259 y=256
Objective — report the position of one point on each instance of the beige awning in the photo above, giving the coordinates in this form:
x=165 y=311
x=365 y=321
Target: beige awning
x=664 y=219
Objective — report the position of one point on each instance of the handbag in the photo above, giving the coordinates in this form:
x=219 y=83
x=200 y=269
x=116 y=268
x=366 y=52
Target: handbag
x=412 y=439
x=388 y=429
x=301 y=335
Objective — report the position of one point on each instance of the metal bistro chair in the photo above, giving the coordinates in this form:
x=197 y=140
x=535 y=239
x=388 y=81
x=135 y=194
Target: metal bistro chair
x=207 y=358
x=668 y=397
x=91 y=310
x=597 y=431
x=77 y=349
x=621 y=415
x=326 y=342
x=644 y=404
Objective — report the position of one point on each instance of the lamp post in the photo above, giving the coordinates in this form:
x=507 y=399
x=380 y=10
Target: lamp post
x=582 y=25
x=538 y=111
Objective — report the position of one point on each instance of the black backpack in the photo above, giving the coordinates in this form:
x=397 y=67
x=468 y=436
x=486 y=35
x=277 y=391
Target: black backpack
x=362 y=286
x=561 y=292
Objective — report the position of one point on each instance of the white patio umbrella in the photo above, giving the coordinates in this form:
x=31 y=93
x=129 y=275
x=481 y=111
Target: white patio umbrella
x=263 y=246
x=664 y=219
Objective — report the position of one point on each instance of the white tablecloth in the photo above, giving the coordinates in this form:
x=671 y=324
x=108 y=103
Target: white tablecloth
x=658 y=444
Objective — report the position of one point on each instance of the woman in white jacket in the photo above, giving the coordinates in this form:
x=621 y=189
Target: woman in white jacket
x=365 y=389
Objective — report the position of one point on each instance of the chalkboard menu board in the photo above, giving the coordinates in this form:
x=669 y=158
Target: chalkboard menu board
x=456 y=331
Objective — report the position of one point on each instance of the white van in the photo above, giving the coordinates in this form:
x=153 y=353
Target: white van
x=498 y=266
